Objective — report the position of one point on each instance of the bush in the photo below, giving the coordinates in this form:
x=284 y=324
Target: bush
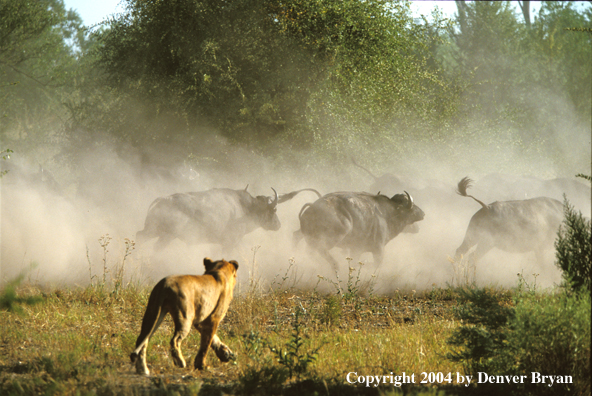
x=484 y=331
x=544 y=333
x=551 y=335
x=573 y=250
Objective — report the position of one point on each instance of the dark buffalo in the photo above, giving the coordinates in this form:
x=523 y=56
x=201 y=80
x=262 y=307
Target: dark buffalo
x=512 y=226
x=387 y=182
x=357 y=221
x=219 y=216
x=510 y=187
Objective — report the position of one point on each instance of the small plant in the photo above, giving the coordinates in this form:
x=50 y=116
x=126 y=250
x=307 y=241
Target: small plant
x=10 y=301
x=331 y=311
x=353 y=286
x=292 y=356
x=104 y=242
x=119 y=270
x=279 y=285
x=464 y=271
x=260 y=373
x=254 y=249
x=523 y=285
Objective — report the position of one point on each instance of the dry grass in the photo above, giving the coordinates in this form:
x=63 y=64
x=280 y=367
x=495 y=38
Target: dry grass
x=78 y=340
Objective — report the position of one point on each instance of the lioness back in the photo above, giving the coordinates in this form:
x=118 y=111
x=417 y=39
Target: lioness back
x=200 y=301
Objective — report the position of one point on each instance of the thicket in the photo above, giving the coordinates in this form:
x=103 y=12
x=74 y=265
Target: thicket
x=534 y=331
x=280 y=77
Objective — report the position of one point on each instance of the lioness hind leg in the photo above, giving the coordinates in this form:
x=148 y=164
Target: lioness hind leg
x=182 y=328
x=224 y=353
x=140 y=360
x=208 y=332
x=150 y=324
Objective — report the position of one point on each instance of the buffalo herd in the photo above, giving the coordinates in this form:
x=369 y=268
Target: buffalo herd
x=356 y=221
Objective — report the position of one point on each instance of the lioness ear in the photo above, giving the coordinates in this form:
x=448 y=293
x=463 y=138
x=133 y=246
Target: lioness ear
x=233 y=262
x=208 y=263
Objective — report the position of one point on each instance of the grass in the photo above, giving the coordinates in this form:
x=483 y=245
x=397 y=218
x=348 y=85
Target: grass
x=78 y=340
x=286 y=340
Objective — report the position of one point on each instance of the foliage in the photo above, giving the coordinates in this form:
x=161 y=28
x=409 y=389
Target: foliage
x=37 y=65
x=332 y=311
x=509 y=64
x=292 y=356
x=551 y=335
x=485 y=329
x=574 y=250
x=5 y=155
x=564 y=54
x=544 y=333
x=258 y=70
x=521 y=81
x=9 y=299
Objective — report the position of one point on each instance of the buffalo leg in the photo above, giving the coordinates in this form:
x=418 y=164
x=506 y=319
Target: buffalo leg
x=480 y=251
x=163 y=241
x=324 y=253
x=297 y=237
x=378 y=256
x=463 y=249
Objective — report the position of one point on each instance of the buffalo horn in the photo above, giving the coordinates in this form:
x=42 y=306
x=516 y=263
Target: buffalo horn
x=275 y=200
x=410 y=200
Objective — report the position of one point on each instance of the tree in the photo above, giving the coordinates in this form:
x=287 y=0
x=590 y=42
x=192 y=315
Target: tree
x=525 y=7
x=260 y=71
x=36 y=63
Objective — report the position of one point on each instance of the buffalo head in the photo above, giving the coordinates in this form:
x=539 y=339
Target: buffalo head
x=265 y=209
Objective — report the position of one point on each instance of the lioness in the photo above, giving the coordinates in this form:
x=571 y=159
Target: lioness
x=198 y=300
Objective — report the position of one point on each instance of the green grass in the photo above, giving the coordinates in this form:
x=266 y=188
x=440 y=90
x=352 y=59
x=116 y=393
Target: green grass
x=287 y=341
x=78 y=341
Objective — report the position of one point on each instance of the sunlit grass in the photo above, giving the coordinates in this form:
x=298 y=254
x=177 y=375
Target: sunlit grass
x=80 y=338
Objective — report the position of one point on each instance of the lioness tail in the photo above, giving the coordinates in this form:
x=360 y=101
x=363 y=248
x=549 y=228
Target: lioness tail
x=153 y=317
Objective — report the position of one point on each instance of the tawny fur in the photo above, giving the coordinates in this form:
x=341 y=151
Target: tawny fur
x=200 y=301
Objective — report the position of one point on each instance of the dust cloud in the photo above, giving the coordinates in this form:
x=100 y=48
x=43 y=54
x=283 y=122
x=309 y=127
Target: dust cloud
x=78 y=233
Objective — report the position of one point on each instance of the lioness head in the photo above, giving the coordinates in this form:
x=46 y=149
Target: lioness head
x=222 y=266
x=219 y=264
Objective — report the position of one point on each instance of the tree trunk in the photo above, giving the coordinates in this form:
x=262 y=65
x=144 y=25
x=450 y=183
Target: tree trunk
x=462 y=14
x=525 y=6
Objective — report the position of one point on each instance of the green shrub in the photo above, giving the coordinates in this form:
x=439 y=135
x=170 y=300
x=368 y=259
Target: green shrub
x=294 y=356
x=9 y=299
x=573 y=250
x=551 y=335
x=544 y=333
x=485 y=329
x=331 y=311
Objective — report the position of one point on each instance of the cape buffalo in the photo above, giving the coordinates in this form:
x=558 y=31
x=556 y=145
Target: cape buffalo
x=219 y=216
x=387 y=182
x=511 y=226
x=357 y=221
